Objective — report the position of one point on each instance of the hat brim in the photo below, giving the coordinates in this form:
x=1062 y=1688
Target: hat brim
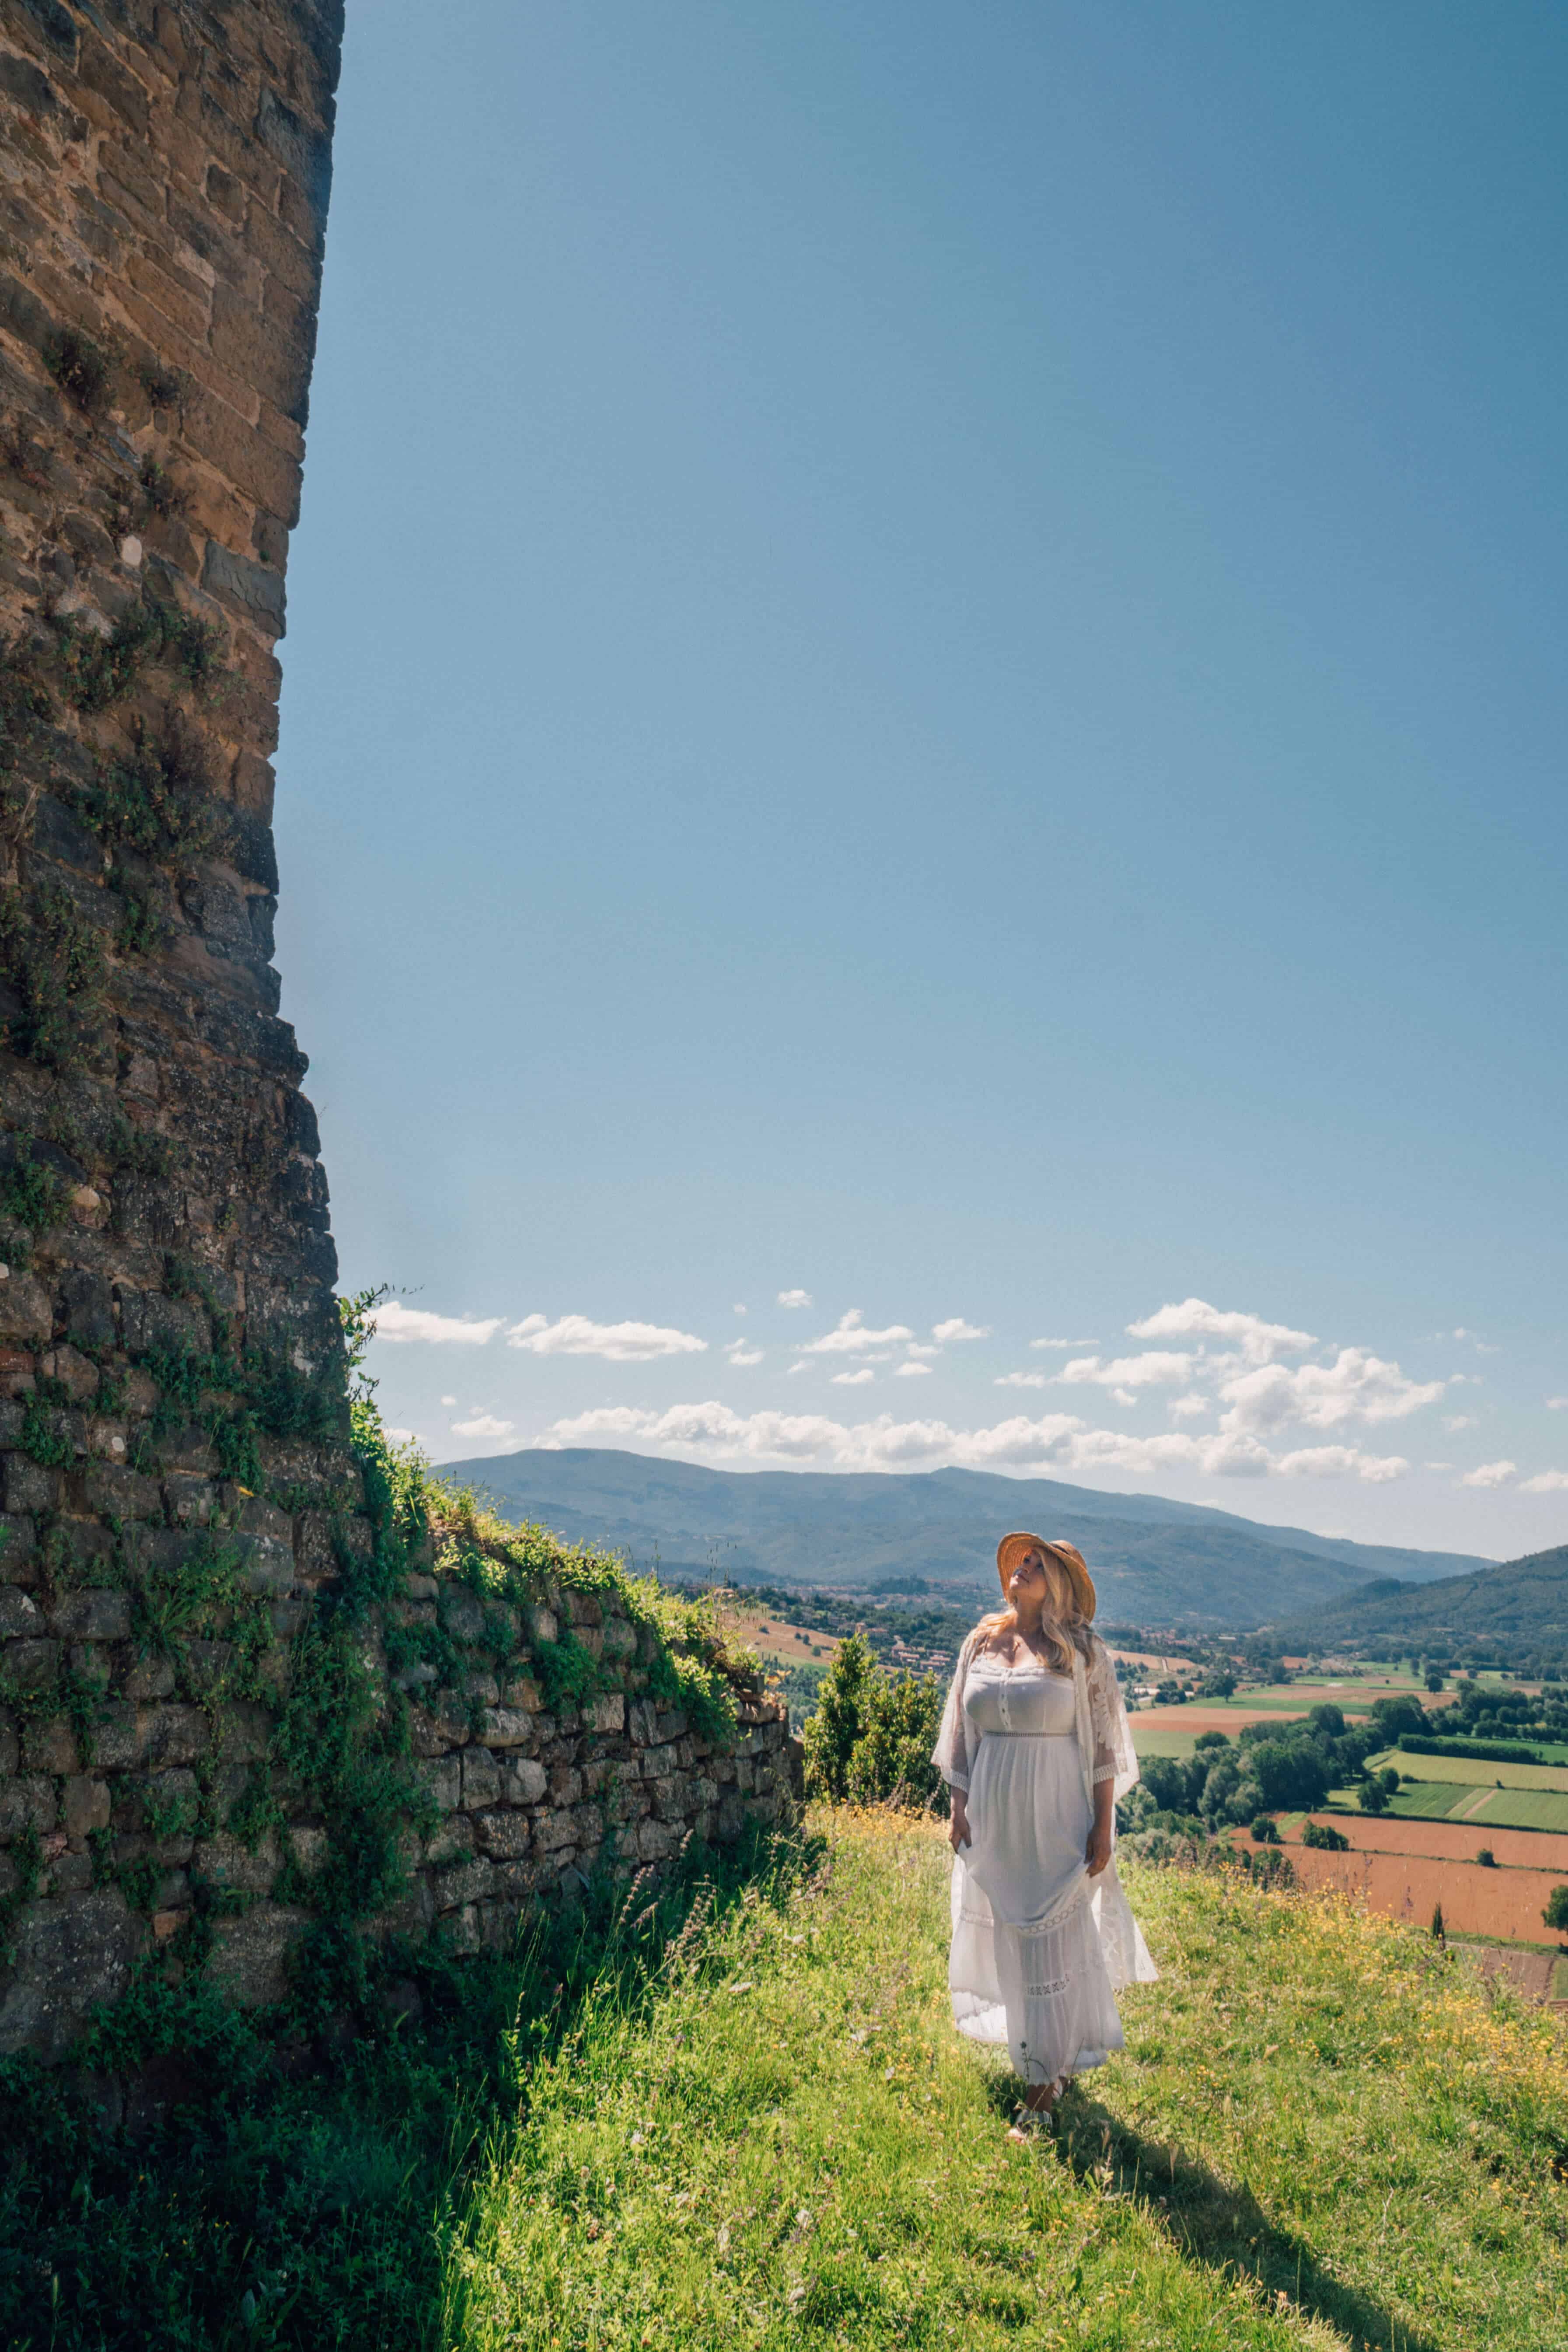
x=1012 y=1546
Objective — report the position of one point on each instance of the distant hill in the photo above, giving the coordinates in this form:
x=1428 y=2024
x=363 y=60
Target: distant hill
x=1155 y=1562
x=1516 y=1613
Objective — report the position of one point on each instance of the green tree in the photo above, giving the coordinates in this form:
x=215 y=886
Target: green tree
x=843 y=1709
x=872 y=1734
x=1556 y=1912
x=1373 y=1795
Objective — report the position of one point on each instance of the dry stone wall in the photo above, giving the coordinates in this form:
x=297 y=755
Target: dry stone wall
x=182 y=1518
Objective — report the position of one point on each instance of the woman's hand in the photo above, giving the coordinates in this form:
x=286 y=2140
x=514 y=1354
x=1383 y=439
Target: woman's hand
x=1097 y=1853
x=957 y=1828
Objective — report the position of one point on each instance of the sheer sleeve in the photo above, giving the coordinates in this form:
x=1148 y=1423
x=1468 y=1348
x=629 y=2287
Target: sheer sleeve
x=952 y=1754
x=1114 y=1759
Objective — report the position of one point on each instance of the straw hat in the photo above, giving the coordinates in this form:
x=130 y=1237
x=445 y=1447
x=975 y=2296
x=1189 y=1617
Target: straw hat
x=1010 y=1550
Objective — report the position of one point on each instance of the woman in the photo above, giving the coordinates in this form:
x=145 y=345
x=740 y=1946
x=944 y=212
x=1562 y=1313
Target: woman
x=1036 y=1751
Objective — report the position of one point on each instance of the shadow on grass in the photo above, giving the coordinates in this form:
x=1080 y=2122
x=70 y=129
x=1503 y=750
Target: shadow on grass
x=202 y=2177
x=1212 y=2222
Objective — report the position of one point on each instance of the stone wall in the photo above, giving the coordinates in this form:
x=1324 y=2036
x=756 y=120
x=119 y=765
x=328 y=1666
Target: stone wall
x=179 y=1499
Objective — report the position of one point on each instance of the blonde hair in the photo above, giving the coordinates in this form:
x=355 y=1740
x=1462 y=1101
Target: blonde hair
x=1063 y=1625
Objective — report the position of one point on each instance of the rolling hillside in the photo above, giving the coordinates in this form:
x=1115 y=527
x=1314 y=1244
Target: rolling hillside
x=1516 y=1613
x=1156 y=1562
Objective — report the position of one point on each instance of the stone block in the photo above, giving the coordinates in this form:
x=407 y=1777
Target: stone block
x=463 y=1929
x=606 y=1713
x=443 y=1776
x=18 y=1563
x=10 y=1744
x=482 y=1779
x=71 y=1954
x=89 y=1616
x=453 y=1842
x=77 y=1375
x=189 y=1500
x=27 y=1802
x=86 y=1805
x=620 y=1638
x=551 y=1830
x=657 y=1763
x=20 y=1619
x=465 y=1882
x=250 y=1955
x=29 y=1486
x=224 y=1859
x=642 y=1722
x=730 y=1821
x=506 y=1726
x=173 y=1735
x=503 y=1835
x=117 y=1740
x=306 y=1846
x=521 y=1690
x=30 y=1665
x=524 y=1780
x=149 y=1678
x=49 y=1744
x=115 y=1492
x=266 y=1565
x=26 y=1310
x=654 y=1841
x=436 y=1730
x=565 y=1784
x=671 y=1801
x=584 y=1609
x=542 y=1623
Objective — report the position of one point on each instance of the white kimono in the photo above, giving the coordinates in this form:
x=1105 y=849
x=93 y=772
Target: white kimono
x=1038 y=1947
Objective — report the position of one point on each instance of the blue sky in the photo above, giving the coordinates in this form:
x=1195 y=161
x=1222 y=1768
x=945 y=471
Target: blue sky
x=925 y=666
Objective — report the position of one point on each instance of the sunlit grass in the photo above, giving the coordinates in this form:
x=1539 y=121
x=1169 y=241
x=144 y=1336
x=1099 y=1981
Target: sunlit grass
x=1322 y=2134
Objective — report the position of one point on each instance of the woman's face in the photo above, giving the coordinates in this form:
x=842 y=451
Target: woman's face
x=1029 y=1581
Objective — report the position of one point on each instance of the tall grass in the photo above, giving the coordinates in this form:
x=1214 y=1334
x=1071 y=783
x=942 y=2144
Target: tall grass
x=1323 y=2133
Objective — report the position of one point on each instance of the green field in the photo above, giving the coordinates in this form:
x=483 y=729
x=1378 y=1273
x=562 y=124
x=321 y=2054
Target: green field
x=1524 y=1808
x=1429 y=1801
x=1473 y=1771
x=1157 y=1741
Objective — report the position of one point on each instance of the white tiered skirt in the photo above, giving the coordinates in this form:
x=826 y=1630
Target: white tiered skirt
x=1038 y=1947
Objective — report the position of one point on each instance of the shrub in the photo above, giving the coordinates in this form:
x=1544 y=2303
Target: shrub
x=1325 y=1838
x=1556 y=1912
x=1265 y=1829
x=871 y=1737
x=1486 y=1858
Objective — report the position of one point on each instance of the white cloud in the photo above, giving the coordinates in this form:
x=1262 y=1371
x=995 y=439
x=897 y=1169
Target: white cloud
x=1355 y=1387
x=1557 y=1404
x=1129 y=1372
x=448 y=1400
x=1195 y=1318
x=617 y=1343
x=910 y=1372
x=741 y=1355
x=1056 y=1440
x=1184 y=1408
x=955 y=1328
x=1064 y=1343
x=1436 y=1465
x=853 y=1380
x=920 y=1348
x=852 y=1339
x=794 y=1298
x=483 y=1424
x=1490 y=1473
x=1454 y=1422
x=403 y=1436
x=1341 y=1462
x=1546 y=1481
x=1021 y=1380
x=739 y=1308
x=796 y=1367
x=392 y=1320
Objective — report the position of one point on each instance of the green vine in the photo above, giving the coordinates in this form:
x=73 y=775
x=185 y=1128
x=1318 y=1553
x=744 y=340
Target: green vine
x=96 y=671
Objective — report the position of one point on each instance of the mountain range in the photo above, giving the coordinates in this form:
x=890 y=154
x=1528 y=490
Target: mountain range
x=1156 y=1561
x=1515 y=1613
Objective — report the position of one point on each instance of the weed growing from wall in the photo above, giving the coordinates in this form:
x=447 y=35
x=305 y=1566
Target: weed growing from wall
x=96 y=671
x=80 y=366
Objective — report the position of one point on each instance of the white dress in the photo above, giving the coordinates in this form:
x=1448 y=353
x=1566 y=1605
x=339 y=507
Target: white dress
x=1038 y=1946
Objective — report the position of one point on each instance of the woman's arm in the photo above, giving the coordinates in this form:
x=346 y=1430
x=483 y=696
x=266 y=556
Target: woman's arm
x=1097 y=1853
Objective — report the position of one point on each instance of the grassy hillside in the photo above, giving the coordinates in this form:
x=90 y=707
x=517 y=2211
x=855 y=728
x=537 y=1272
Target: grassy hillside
x=739 y=2117
x=1323 y=2133
x=1156 y=1562
x=1516 y=1613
